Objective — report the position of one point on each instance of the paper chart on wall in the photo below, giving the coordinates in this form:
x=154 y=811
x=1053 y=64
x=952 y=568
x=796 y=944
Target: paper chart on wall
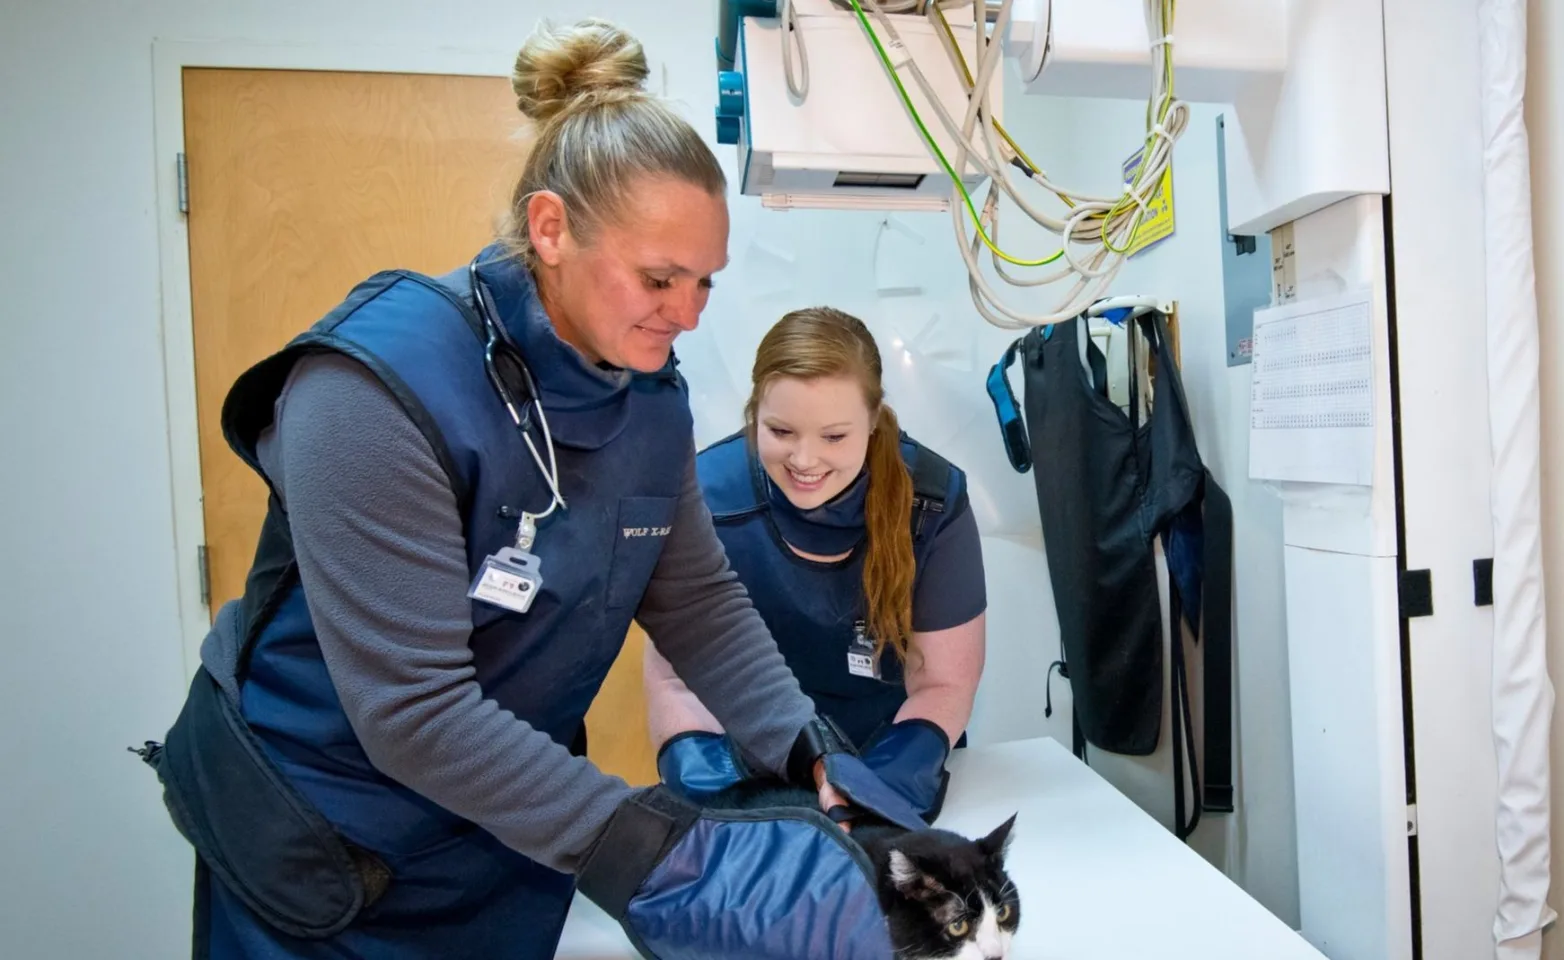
x=1311 y=399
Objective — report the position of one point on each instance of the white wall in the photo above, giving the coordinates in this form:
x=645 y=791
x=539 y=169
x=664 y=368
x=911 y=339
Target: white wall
x=88 y=603
x=1545 y=124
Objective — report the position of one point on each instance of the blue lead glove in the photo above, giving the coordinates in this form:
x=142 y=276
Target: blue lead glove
x=821 y=740
x=910 y=757
x=693 y=884
x=698 y=765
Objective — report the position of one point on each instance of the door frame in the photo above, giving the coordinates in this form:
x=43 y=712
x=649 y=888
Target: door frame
x=170 y=58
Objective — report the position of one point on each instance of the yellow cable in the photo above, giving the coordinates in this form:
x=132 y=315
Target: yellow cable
x=966 y=71
x=1162 y=115
x=1126 y=198
x=917 y=119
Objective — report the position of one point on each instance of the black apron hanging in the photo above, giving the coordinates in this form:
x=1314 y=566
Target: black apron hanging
x=1108 y=483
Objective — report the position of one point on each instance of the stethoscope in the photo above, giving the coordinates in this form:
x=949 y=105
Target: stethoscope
x=498 y=346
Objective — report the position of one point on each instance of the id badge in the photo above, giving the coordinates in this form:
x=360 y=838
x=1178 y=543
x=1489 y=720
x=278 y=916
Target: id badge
x=861 y=661
x=509 y=579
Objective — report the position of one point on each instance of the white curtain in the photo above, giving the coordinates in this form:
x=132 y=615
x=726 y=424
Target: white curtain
x=1522 y=692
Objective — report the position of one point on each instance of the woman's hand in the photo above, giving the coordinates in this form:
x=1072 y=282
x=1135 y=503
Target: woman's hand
x=829 y=797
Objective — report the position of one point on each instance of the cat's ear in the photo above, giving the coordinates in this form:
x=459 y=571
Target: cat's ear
x=910 y=880
x=997 y=844
x=904 y=874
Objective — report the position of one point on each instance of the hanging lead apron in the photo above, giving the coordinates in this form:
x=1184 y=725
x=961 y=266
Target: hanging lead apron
x=1109 y=481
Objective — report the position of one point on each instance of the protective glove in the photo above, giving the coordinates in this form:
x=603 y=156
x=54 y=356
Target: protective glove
x=693 y=884
x=822 y=742
x=698 y=765
x=910 y=757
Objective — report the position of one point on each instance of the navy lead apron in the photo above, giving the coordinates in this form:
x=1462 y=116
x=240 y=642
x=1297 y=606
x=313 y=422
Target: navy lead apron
x=1108 y=483
x=306 y=849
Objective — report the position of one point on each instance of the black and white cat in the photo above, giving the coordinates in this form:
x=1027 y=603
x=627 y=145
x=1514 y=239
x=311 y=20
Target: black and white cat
x=946 y=897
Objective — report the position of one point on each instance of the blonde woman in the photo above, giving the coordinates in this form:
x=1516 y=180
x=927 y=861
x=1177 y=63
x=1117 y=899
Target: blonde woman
x=858 y=547
x=477 y=481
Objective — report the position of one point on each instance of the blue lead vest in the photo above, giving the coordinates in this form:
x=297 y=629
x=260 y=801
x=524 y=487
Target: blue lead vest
x=449 y=888
x=815 y=610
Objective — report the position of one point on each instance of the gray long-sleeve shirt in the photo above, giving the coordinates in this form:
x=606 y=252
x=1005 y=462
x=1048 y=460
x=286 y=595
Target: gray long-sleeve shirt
x=381 y=554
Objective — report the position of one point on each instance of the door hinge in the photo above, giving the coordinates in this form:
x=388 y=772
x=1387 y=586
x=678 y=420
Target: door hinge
x=1416 y=590
x=1411 y=819
x=204 y=564
x=184 y=183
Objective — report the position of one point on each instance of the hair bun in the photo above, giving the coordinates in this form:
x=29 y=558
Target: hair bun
x=559 y=66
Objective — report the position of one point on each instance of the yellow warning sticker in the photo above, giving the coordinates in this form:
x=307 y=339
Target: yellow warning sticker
x=1156 y=224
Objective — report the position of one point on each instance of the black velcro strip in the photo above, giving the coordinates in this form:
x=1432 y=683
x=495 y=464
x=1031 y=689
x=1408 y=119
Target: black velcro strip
x=635 y=839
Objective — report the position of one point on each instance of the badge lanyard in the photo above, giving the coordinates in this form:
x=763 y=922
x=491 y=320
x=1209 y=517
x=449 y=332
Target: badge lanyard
x=511 y=577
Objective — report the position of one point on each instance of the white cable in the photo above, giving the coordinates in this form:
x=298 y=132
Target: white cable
x=981 y=288
x=790 y=36
x=1095 y=223
x=894 y=6
x=1117 y=229
x=798 y=86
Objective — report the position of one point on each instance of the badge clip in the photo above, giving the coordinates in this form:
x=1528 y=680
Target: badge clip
x=509 y=579
x=861 y=661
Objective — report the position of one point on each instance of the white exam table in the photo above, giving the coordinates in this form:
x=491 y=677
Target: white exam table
x=1099 y=879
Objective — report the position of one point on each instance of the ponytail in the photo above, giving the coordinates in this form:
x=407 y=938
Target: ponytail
x=888 y=565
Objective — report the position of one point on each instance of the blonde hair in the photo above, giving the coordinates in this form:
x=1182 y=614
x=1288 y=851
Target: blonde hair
x=825 y=342
x=596 y=129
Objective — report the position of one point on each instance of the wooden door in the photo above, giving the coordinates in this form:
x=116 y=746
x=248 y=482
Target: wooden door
x=303 y=183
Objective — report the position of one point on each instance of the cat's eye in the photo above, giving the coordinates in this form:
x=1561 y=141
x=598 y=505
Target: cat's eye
x=958 y=929
x=1003 y=913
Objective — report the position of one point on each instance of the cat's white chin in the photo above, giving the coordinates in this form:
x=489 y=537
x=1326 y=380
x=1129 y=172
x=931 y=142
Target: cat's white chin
x=971 y=951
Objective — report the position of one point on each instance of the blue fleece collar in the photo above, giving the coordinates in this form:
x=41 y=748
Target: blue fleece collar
x=834 y=527
x=587 y=404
